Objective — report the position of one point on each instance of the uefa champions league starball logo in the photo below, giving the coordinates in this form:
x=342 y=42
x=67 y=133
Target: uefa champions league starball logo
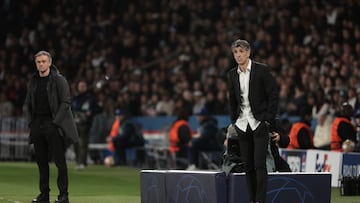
x=189 y=189
x=152 y=190
x=283 y=188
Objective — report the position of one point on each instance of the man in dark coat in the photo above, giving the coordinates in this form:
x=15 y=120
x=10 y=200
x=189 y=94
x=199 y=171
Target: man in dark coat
x=51 y=124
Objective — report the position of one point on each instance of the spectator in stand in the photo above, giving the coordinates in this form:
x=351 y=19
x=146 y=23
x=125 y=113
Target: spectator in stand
x=357 y=125
x=357 y=103
x=342 y=128
x=179 y=136
x=210 y=102
x=146 y=39
x=149 y=105
x=16 y=93
x=198 y=101
x=189 y=100
x=166 y=105
x=311 y=101
x=205 y=139
x=324 y=119
x=182 y=104
x=352 y=97
x=284 y=95
x=301 y=135
x=299 y=101
x=335 y=102
x=221 y=104
x=6 y=107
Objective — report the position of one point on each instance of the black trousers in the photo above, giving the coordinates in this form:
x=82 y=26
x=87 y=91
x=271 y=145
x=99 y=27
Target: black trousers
x=253 y=148
x=48 y=145
x=82 y=147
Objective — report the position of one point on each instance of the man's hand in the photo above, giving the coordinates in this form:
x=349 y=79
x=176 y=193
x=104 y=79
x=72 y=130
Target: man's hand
x=275 y=136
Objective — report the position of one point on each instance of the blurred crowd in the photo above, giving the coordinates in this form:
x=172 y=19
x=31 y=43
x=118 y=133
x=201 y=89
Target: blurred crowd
x=160 y=56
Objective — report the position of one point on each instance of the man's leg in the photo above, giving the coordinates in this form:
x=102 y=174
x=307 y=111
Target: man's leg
x=42 y=156
x=261 y=140
x=41 y=147
x=120 y=151
x=194 y=153
x=247 y=155
x=82 y=146
x=58 y=151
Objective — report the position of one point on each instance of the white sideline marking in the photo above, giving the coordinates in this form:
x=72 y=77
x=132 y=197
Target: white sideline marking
x=9 y=200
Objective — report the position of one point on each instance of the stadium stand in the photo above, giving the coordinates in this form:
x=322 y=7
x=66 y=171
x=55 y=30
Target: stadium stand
x=144 y=55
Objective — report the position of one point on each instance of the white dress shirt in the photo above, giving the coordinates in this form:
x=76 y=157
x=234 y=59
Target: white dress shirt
x=246 y=117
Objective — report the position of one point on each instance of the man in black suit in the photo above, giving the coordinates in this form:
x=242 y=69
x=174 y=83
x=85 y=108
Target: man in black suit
x=253 y=97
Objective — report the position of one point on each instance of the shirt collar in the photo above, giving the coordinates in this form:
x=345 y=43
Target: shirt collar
x=248 y=68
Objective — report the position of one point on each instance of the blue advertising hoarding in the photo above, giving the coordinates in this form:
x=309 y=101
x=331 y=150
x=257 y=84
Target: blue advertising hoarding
x=295 y=158
x=351 y=165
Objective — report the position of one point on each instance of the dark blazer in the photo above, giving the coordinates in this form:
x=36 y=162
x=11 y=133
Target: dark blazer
x=263 y=94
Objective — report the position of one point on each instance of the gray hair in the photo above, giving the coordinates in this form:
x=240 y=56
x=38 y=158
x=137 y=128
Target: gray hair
x=40 y=53
x=241 y=43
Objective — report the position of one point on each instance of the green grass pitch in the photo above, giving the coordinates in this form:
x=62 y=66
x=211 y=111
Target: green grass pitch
x=95 y=184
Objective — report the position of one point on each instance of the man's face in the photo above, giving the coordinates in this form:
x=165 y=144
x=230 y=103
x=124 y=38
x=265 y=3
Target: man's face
x=42 y=63
x=82 y=87
x=241 y=55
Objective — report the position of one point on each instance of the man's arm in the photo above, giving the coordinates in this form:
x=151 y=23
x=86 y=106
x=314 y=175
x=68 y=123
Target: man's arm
x=233 y=104
x=63 y=93
x=304 y=139
x=346 y=131
x=272 y=92
x=184 y=134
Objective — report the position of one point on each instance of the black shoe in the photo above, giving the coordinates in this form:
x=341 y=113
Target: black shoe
x=41 y=198
x=62 y=199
